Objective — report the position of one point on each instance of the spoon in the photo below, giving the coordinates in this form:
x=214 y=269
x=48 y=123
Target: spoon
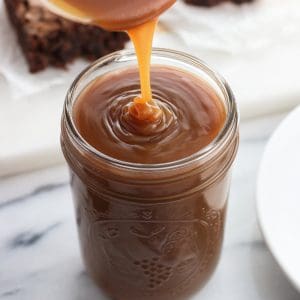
x=115 y=15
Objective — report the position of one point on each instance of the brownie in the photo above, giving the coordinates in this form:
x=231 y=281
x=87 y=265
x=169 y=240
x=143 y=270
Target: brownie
x=49 y=40
x=214 y=2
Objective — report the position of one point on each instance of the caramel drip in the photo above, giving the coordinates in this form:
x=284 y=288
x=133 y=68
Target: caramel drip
x=142 y=37
x=143 y=107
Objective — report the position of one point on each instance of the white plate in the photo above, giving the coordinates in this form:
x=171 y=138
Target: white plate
x=278 y=196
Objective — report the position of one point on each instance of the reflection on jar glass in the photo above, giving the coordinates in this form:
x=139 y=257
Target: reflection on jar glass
x=151 y=231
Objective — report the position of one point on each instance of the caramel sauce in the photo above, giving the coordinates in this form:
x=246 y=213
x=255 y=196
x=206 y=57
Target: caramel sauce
x=190 y=116
x=110 y=15
x=144 y=107
x=142 y=37
x=146 y=234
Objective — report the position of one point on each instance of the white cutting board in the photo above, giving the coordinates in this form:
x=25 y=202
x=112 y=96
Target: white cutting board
x=264 y=79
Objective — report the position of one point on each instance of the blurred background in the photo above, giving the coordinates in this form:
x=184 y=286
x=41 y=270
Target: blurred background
x=254 y=45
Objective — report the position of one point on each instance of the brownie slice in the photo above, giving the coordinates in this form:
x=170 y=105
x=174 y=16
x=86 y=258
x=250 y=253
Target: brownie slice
x=47 y=39
x=214 y=2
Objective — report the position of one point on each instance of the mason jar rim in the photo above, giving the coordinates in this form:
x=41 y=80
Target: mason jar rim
x=228 y=129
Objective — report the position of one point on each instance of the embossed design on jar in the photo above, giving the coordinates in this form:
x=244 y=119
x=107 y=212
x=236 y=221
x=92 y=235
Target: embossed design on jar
x=186 y=265
x=211 y=220
x=147 y=235
x=178 y=235
x=156 y=272
x=92 y=212
x=146 y=214
x=176 y=251
x=107 y=231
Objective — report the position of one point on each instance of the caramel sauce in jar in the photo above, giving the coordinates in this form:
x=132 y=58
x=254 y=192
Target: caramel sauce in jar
x=150 y=196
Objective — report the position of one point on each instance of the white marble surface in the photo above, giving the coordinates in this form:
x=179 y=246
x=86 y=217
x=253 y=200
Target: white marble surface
x=39 y=255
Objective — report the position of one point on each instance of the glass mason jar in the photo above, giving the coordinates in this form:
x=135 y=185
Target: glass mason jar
x=150 y=231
